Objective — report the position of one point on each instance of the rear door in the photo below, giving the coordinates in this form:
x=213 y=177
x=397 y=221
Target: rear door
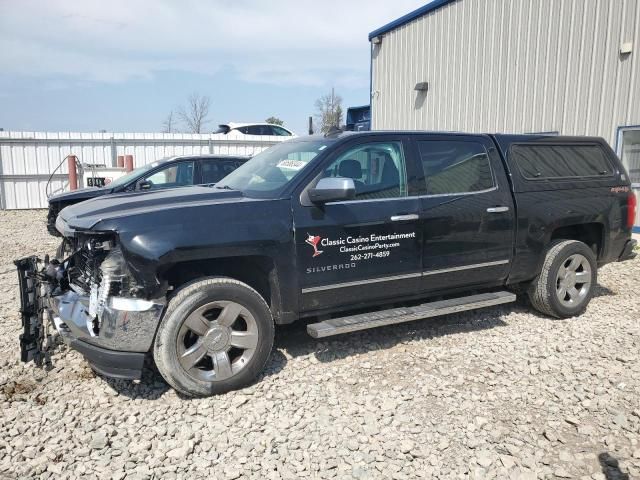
x=367 y=249
x=467 y=210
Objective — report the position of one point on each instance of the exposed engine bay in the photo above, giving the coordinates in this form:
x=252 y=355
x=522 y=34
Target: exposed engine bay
x=90 y=296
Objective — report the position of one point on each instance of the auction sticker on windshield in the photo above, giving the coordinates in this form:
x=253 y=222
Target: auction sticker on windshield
x=293 y=164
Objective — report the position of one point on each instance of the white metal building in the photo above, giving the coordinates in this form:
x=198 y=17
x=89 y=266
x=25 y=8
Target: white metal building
x=518 y=66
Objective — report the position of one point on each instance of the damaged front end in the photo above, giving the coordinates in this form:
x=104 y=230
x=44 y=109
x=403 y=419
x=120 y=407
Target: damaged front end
x=93 y=302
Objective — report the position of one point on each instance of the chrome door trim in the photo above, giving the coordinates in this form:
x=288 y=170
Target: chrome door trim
x=402 y=277
x=356 y=283
x=465 y=267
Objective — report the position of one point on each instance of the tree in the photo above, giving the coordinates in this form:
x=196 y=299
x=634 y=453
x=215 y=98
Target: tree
x=169 y=124
x=329 y=111
x=275 y=121
x=194 y=115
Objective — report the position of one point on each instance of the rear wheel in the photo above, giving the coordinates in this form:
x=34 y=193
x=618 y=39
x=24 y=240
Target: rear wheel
x=215 y=336
x=565 y=284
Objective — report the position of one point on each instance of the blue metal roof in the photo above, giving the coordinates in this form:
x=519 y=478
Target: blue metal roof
x=429 y=7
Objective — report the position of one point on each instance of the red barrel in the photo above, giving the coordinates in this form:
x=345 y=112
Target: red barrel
x=73 y=172
x=120 y=163
x=128 y=162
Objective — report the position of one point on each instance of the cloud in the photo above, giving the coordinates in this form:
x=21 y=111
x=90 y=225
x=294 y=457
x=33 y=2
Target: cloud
x=286 y=42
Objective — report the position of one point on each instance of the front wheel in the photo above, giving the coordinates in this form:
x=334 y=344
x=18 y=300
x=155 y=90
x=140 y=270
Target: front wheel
x=565 y=284
x=215 y=336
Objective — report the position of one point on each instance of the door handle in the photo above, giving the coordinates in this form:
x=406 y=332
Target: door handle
x=497 y=209
x=404 y=218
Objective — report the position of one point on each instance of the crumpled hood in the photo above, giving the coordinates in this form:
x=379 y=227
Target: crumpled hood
x=105 y=212
x=78 y=195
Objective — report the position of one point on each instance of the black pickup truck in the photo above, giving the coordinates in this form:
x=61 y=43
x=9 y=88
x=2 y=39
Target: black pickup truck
x=350 y=231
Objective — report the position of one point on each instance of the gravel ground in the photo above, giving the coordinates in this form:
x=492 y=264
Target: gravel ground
x=498 y=393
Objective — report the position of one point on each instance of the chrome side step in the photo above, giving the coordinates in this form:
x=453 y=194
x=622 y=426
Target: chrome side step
x=363 y=321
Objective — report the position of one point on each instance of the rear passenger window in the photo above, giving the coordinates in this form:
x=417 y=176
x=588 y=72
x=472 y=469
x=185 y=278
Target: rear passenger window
x=455 y=167
x=560 y=161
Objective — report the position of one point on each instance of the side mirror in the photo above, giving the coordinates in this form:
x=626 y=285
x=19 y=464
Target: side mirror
x=333 y=189
x=144 y=185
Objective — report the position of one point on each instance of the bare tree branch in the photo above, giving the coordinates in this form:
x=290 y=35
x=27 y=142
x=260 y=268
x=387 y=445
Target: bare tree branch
x=329 y=111
x=169 y=123
x=195 y=114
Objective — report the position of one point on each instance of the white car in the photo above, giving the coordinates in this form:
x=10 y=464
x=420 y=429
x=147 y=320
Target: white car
x=265 y=129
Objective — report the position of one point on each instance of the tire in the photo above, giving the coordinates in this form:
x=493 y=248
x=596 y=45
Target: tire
x=222 y=321
x=552 y=293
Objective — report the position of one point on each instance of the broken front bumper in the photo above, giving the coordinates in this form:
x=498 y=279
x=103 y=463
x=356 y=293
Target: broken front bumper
x=115 y=346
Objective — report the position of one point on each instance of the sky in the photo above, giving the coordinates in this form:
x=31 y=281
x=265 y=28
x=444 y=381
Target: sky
x=123 y=65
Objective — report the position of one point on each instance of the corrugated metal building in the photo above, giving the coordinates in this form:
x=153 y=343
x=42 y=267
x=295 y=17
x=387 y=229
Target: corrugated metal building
x=517 y=66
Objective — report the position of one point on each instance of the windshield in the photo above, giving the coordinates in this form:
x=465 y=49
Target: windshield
x=269 y=172
x=132 y=175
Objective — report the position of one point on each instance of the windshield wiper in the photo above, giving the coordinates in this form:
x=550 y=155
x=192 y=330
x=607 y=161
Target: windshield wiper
x=224 y=187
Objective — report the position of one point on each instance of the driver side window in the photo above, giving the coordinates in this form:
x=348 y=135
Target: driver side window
x=176 y=175
x=378 y=170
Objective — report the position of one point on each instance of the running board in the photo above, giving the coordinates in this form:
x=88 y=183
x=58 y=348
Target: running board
x=364 y=321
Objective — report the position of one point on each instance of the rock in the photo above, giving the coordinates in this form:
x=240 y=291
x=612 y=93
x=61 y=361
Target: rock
x=232 y=474
x=620 y=419
x=572 y=421
x=507 y=461
x=562 y=473
x=586 y=429
x=565 y=456
x=240 y=400
x=406 y=446
x=180 y=453
x=523 y=475
x=359 y=472
x=481 y=421
x=484 y=459
x=99 y=440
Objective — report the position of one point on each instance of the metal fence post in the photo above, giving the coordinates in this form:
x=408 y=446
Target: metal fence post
x=114 y=152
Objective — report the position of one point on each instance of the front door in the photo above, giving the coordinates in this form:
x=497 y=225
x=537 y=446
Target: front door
x=369 y=248
x=468 y=213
